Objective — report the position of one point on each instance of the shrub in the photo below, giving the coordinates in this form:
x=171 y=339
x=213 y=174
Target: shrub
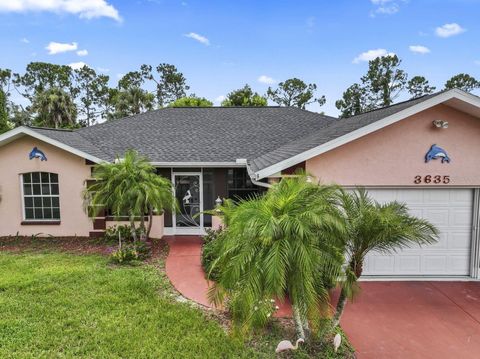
x=210 y=251
x=111 y=233
x=131 y=252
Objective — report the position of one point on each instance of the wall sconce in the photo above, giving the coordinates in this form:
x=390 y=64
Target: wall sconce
x=440 y=123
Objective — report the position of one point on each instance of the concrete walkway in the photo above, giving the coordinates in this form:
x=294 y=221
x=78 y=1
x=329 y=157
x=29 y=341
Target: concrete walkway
x=388 y=319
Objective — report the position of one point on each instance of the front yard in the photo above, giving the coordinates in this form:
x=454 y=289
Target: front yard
x=65 y=304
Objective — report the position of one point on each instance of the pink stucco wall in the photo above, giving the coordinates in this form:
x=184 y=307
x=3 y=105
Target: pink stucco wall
x=394 y=155
x=72 y=173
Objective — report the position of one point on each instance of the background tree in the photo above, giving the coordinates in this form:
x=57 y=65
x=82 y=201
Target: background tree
x=462 y=81
x=4 y=122
x=376 y=227
x=353 y=102
x=384 y=81
x=54 y=108
x=131 y=101
x=244 y=97
x=91 y=91
x=191 y=101
x=130 y=186
x=5 y=81
x=171 y=84
x=295 y=92
x=418 y=86
x=379 y=87
x=41 y=76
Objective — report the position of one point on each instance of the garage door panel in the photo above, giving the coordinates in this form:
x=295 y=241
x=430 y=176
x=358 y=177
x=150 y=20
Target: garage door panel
x=408 y=263
x=450 y=210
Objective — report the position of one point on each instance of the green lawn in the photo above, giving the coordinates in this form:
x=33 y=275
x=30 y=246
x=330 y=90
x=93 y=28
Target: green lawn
x=64 y=305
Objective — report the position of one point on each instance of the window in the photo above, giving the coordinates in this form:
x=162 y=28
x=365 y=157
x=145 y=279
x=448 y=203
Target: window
x=41 y=201
x=239 y=184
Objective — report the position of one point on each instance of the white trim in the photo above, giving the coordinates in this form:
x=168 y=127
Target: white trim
x=375 y=126
x=196 y=164
x=475 y=246
x=19 y=131
x=200 y=230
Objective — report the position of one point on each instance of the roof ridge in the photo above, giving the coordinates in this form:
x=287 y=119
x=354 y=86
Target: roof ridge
x=51 y=128
x=398 y=103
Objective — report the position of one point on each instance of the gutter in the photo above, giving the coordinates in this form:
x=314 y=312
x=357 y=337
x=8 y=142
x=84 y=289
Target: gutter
x=243 y=161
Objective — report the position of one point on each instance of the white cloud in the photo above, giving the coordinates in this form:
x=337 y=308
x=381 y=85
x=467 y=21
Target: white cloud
x=219 y=99
x=371 y=55
x=419 y=49
x=385 y=7
x=25 y=40
x=199 y=38
x=58 y=47
x=82 y=52
x=448 y=30
x=86 y=9
x=264 y=79
x=77 y=65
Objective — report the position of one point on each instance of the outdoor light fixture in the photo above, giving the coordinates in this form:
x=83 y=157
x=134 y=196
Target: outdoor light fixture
x=440 y=124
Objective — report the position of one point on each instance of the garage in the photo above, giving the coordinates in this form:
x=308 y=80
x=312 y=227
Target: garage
x=451 y=211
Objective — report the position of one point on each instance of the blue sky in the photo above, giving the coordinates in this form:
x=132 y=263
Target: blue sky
x=231 y=43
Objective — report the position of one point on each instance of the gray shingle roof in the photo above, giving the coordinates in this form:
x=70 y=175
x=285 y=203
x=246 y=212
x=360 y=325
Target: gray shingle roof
x=262 y=135
x=333 y=130
x=75 y=140
x=215 y=134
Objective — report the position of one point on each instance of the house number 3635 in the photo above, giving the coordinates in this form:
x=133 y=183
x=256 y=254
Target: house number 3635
x=428 y=179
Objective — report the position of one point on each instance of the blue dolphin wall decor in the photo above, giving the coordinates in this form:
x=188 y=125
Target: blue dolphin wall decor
x=437 y=152
x=36 y=153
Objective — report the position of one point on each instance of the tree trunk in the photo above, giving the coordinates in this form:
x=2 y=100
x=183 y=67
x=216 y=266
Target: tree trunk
x=298 y=323
x=133 y=232
x=150 y=221
x=142 y=227
x=342 y=300
x=357 y=268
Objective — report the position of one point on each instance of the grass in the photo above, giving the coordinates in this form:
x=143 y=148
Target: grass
x=66 y=305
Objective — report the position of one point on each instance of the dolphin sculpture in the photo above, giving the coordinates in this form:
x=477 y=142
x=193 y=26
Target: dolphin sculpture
x=437 y=152
x=36 y=153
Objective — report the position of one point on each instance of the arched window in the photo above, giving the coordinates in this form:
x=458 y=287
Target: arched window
x=41 y=201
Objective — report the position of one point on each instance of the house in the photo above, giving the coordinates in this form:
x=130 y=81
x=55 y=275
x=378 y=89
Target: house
x=424 y=152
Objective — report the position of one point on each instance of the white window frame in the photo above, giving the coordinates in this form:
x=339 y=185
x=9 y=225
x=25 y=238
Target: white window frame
x=24 y=214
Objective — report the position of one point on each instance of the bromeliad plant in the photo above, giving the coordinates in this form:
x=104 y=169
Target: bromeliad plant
x=129 y=186
x=371 y=226
x=282 y=245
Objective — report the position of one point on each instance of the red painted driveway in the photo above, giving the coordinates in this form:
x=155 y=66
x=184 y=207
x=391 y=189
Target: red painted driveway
x=415 y=320
x=388 y=319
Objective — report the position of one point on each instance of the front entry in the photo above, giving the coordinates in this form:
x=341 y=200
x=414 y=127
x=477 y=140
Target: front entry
x=189 y=218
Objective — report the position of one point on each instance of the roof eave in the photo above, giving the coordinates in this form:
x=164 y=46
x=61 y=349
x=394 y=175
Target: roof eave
x=363 y=131
x=21 y=131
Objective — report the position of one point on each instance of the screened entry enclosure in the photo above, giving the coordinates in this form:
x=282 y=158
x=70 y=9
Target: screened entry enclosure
x=196 y=190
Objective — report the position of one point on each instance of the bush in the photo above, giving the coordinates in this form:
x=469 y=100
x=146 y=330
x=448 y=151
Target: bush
x=210 y=252
x=131 y=252
x=111 y=233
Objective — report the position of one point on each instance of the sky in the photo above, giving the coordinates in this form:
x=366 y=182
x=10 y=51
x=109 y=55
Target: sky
x=222 y=45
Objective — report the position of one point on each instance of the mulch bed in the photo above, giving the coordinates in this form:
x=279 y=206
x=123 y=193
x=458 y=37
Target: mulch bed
x=77 y=245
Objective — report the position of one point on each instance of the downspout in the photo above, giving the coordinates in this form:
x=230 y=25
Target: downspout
x=250 y=172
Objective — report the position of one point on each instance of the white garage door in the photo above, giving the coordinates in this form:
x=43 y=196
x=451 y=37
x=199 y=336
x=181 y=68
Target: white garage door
x=450 y=210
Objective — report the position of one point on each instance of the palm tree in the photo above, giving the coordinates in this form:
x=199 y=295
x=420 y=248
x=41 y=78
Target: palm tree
x=372 y=226
x=55 y=108
x=132 y=101
x=129 y=186
x=283 y=244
